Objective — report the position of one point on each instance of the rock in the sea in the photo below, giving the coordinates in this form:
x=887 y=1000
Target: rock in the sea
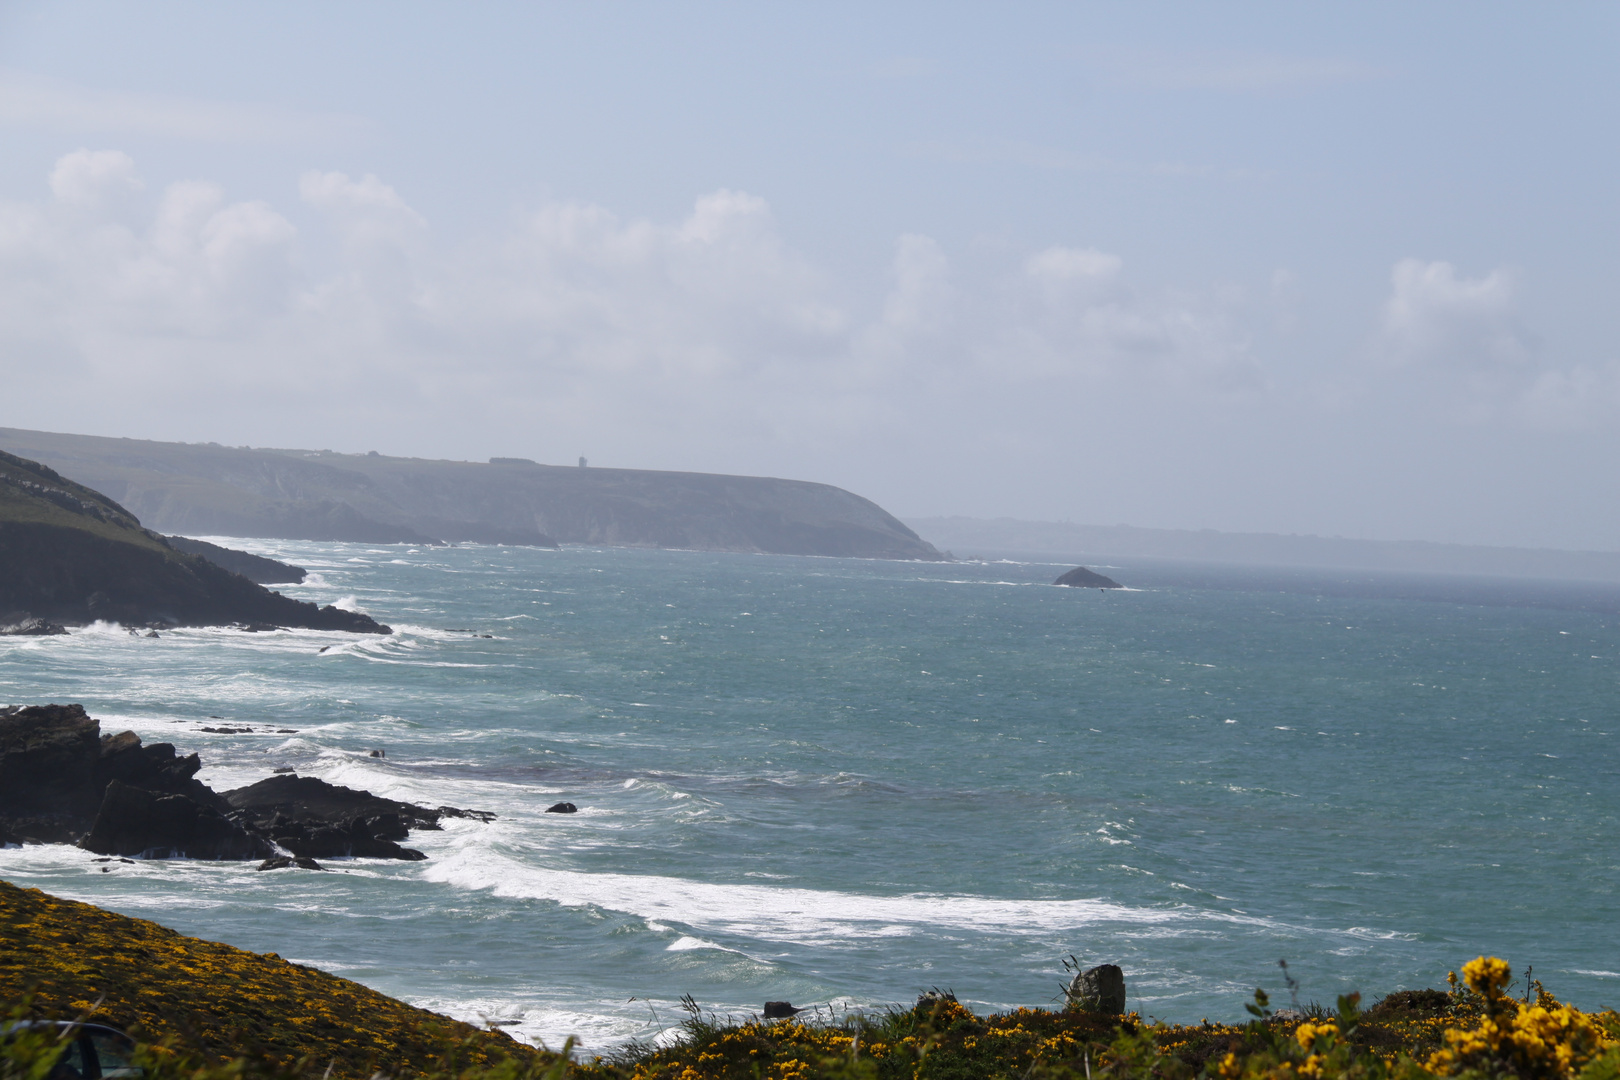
x=780 y=1010
x=562 y=808
x=22 y=624
x=283 y=862
x=312 y=818
x=1098 y=990
x=1081 y=578
x=62 y=781
x=48 y=753
x=134 y=821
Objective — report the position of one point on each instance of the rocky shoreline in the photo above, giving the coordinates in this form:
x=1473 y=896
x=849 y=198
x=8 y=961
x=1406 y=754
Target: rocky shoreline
x=64 y=782
x=71 y=556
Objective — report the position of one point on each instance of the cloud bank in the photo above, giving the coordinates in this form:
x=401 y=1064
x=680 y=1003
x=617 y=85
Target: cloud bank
x=344 y=320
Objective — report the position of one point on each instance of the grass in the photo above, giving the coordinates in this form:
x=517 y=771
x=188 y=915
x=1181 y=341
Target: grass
x=212 y=1012
x=214 y=1002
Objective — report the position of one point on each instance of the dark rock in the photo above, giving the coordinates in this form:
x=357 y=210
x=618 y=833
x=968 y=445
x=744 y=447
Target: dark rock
x=378 y=753
x=562 y=808
x=312 y=818
x=780 y=1010
x=71 y=555
x=48 y=756
x=1081 y=578
x=255 y=568
x=134 y=821
x=1098 y=990
x=154 y=768
x=477 y=815
x=61 y=779
x=22 y=624
x=283 y=862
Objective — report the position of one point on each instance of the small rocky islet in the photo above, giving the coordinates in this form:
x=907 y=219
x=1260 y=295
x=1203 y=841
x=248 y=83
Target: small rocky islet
x=1082 y=578
x=64 y=782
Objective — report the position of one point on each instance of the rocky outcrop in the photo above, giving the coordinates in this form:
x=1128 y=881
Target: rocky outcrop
x=48 y=757
x=255 y=568
x=1081 y=578
x=22 y=624
x=70 y=555
x=317 y=820
x=135 y=821
x=62 y=781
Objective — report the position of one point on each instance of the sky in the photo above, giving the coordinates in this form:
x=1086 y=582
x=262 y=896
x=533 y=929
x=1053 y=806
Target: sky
x=1329 y=268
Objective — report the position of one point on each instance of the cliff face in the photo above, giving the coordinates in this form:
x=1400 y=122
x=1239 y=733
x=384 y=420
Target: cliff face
x=71 y=555
x=316 y=495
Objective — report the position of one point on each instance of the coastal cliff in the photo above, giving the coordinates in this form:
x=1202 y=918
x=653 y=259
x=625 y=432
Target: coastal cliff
x=71 y=555
x=371 y=498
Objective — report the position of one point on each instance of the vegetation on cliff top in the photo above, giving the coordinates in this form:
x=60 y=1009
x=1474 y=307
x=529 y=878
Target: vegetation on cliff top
x=215 y=1003
x=218 y=1013
x=69 y=554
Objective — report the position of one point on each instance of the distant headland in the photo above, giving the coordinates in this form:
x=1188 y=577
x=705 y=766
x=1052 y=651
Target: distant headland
x=70 y=556
x=213 y=490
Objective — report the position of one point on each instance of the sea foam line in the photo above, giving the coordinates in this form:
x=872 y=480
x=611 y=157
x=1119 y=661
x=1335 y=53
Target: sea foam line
x=789 y=915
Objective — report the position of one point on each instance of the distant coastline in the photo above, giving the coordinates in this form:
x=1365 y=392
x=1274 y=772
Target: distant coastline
x=1068 y=542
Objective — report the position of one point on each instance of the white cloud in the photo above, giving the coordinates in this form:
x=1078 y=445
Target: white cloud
x=91 y=177
x=1435 y=317
x=28 y=100
x=1579 y=397
x=572 y=320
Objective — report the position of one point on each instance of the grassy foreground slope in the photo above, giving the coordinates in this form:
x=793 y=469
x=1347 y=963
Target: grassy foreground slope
x=266 y=1018
x=219 y=1002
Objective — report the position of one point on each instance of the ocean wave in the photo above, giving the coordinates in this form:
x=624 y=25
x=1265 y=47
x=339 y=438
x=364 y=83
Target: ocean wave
x=789 y=915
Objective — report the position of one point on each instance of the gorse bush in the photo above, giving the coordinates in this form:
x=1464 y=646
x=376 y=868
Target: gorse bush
x=1473 y=1032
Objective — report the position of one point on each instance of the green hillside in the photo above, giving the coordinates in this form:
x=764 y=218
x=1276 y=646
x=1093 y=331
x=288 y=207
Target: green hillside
x=71 y=555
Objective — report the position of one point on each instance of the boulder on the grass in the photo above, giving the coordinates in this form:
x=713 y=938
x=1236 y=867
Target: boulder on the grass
x=1098 y=990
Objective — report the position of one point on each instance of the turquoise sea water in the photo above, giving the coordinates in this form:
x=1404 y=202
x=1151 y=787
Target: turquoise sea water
x=848 y=781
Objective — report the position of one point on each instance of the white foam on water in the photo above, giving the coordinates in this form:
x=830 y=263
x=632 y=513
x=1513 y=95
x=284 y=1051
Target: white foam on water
x=787 y=915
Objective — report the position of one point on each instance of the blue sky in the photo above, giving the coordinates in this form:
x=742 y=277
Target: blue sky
x=1317 y=268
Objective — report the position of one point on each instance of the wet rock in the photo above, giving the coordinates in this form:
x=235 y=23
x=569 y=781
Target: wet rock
x=1099 y=990
x=780 y=1010
x=312 y=818
x=562 y=808
x=485 y=816
x=22 y=624
x=284 y=862
x=135 y=821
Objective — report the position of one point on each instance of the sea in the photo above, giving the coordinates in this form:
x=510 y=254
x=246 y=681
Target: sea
x=845 y=782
